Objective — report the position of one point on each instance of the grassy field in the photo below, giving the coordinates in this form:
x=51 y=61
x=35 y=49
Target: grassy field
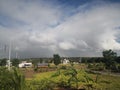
x=86 y=80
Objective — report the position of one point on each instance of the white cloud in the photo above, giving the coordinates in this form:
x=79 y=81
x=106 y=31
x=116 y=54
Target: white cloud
x=66 y=45
x=44 y=32
x=37 y=15
x=94 y=26
x=108 y=40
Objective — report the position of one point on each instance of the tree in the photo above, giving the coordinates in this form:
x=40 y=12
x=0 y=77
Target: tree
x=3 y=62
x=56 y=59
x=15 y=62
x=109 y=58
x=118 y=59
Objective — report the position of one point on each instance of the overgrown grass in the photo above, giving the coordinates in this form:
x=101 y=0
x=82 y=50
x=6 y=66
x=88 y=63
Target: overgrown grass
x=109 y=82
x=40 y=76
x=97 y=82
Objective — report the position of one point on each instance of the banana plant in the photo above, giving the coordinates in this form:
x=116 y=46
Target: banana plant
x=11 y=79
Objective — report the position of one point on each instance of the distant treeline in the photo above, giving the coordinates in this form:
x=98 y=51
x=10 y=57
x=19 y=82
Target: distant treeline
x=81 y=59
x=97 y=59
x=75 y=59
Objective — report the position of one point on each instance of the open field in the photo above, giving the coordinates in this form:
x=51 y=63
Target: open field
x=86 y=80
x=63 y=77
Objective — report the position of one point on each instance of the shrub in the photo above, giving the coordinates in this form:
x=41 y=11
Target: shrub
x=43 y=84
x=11 y=79
x=63 y=67
x=35 y=69
x=96 y=66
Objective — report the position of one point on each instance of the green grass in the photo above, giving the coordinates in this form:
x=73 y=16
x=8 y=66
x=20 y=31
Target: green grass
x=104 y=82
x=110 y=82
x=40 y=76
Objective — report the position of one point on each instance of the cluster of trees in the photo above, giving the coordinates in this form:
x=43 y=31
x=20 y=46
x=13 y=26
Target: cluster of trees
x=109 y=61
x=15 y=62
x=3 y=62
x=14 y=80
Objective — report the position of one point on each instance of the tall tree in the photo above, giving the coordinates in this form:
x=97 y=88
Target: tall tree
x=109 y=58
x=56 y=59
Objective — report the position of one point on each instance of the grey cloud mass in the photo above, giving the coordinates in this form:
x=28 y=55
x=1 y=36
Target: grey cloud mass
x=39 y=29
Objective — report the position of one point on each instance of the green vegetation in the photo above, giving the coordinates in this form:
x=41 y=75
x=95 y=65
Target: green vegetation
x=65 y=77
x=91 y=75
x=56 y=59
x=3 y=62
x=15 y=62
x=109 y=58
x=96 y=66
x=70 y=77
x=11 y=80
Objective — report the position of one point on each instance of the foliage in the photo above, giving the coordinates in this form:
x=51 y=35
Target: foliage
x=5 y=76
x=59 y=78
x=96 y=66
x=63 y=67
x=109 y=57
x=67 y=77
x=15 y=62
x=118 y=59
x=90 y=82
x=85 y=80
x=72 y=72
x=41 y=81
x=3 y=62
x=35 y=62
x=18 y=79
x=11 y=80
x=63 y=77
x=71 y=62
x=35 y=68
x=43 y=84
x=56 y=59
x=109 y=82
x=92 y=59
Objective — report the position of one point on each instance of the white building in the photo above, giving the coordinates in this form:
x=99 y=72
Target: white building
x=66 y=61
x=25 y=64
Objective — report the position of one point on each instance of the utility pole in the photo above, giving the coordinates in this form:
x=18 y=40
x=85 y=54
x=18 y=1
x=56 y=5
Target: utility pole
x=9 y=62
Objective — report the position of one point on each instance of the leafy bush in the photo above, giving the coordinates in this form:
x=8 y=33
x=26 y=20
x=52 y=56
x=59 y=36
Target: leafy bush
x=119 y=68
x=11 y=79
x=35 y=69
x=63 y=67
x=67 y=77
x=43 y=84
x=96 y=66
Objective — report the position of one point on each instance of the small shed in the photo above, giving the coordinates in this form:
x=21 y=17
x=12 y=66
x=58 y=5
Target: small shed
x=42 y=65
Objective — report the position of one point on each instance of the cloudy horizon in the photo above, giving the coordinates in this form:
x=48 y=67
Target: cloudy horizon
x=41 y=28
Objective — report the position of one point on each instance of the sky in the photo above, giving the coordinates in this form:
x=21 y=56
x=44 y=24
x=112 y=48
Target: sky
x=71 y=28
